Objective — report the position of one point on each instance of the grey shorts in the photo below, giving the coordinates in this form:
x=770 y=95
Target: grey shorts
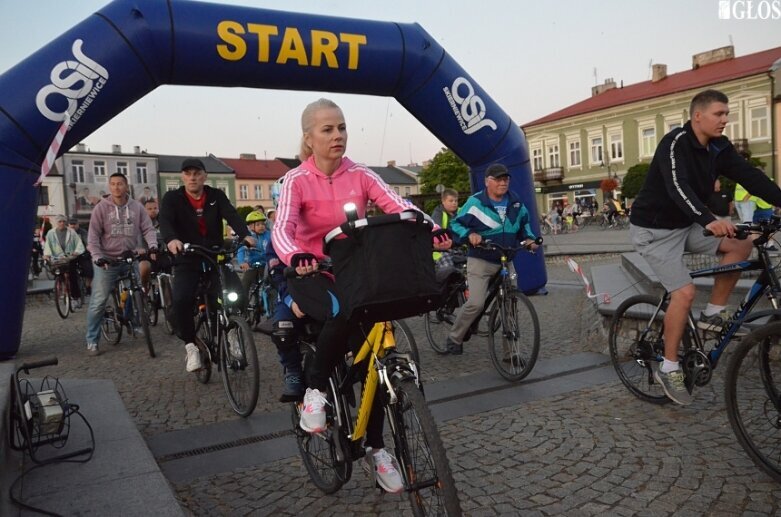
x=663 y=250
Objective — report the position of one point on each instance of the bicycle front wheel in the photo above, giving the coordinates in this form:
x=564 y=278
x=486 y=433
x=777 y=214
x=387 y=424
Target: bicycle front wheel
x=111 y=327
x=204 y=335
x=166 y=297
x=423 y=463
x=752 y=387
x=239 y=366
x=636 y=345
x=405 y=341
x=140 y=317
x=62 y=297
x=152 y=305
x=514 y=336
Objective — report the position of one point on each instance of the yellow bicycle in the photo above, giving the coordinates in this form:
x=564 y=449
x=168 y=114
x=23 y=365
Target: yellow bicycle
x=387 y=357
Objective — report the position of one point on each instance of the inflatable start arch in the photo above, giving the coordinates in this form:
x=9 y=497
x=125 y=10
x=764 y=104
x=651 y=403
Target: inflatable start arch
x=85 y=77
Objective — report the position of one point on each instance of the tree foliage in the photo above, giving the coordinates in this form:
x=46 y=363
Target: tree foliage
x=446 y=169
x=634 y=179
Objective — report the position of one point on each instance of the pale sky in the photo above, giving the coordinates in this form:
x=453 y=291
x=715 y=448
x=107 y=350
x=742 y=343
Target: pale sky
x=531 y=57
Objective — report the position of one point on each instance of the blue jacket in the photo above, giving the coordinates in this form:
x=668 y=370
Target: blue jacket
x=478 y=215
x=258 y=253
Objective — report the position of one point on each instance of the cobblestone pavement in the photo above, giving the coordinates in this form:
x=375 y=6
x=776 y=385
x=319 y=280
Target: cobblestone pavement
x=593 y=451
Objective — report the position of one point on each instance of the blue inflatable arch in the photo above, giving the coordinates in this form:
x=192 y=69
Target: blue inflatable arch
x=129 y=48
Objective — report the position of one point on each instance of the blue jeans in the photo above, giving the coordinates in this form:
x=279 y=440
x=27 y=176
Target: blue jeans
x=762 y=214
x=102 y=285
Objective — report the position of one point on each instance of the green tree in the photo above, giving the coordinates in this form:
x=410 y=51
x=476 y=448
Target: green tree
x=445 y=169
x=634 y=179
x=244 y=211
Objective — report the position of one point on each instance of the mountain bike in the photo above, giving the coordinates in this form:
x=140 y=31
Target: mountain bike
x=63 y=298
x=393 y=373
x=223 y=336
x=126 y=307
x=263 y=297
x=513 y=326
x=637 y=327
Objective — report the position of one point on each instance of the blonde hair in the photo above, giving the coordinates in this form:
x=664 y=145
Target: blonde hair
x=307 y=119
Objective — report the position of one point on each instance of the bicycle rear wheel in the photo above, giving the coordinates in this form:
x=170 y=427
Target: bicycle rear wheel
x=514 y=336
x=405 y=340
x=62 y=297
x=423 y=463
x=753 y=397
x=636 y=346
x=111 y=327
x=140 y=317
x=239 y=366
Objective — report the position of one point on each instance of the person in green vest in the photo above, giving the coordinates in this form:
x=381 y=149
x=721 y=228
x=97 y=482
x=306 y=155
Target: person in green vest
x=745 y=204
x=442 y=215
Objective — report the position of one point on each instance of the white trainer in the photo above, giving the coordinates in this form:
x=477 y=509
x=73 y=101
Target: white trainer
x=313 y=412
x=193 y=358
x=386 y=471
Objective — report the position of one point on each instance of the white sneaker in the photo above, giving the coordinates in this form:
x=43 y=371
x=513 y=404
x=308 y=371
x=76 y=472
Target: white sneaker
x=193 y=358
x=313 y=412
x=92 y=349
x=386 y=471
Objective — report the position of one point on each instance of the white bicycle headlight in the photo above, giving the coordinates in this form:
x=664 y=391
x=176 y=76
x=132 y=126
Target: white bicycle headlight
x=233 y=297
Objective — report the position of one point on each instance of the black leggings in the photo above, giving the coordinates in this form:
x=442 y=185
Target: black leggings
x=188 y=274
x=337 y=336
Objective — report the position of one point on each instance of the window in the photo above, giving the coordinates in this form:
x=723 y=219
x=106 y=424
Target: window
x=673 y=125
x=407 y=191
x=77 y=167
x=258 y=191
x=141 y=174
x=554 y=199
x=100 y=169
x=616 y=147
x=537 y=159
x=647 y=141
x=596 y=150
x=733 y=131
x=758 y=122
x=553 y=155
x=396 y=189
x=243 y=192
x=574 y=153
x=43 y=196
x=122 y=168
x=171 y=185
x=223 y=186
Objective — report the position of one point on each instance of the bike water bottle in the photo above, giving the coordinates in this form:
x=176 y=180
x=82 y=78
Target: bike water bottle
x=123 y=298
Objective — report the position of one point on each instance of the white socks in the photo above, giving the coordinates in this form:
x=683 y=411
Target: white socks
x=711 y=309
x=669 y=366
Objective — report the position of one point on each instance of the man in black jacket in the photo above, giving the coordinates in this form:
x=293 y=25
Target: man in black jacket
x=193 y=214
x=671 y=211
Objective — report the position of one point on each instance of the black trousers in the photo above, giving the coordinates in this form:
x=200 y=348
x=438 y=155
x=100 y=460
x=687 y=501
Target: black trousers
x=187 y=274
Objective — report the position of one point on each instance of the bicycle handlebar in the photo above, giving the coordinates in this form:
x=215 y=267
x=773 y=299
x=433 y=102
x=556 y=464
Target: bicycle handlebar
x=745 y=229
x=524 y=244
x=26 y=367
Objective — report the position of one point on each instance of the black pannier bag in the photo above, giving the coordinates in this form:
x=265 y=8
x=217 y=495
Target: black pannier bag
x=383 y=266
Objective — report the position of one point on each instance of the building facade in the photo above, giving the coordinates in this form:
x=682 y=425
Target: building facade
x=254 y=178
x=219 y=175
x=573 y=150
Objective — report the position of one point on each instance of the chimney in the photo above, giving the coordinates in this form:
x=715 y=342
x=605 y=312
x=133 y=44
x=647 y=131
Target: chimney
x=81 y=148
x=609 y=85
x=247 y=156
x=713 y=56
x=391 y=163
x=658 y=72
x=136 y=149
x=116 y=149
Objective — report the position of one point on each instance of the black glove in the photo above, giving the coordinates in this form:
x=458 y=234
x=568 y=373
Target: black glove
x=302 y=259
x=101 y=262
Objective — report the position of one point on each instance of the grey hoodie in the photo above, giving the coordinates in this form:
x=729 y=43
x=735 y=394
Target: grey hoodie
x=114 y=229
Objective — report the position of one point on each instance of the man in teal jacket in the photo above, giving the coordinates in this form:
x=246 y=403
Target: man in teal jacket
x=495 y=213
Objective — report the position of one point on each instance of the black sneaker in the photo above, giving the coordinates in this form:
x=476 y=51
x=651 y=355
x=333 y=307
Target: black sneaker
x=454 y=348
x=293 y=388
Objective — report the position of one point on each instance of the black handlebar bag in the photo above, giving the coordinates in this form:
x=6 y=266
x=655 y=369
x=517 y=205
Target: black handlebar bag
x=383 y=266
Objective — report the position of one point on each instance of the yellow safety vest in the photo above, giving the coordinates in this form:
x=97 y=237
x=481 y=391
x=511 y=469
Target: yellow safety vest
x=437 y=254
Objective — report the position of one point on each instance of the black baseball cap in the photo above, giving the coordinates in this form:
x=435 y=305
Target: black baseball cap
x=496 y=170
x=193 y=163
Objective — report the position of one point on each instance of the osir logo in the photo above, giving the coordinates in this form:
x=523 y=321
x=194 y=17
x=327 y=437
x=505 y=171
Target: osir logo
x=73 y=80
x=468 y=108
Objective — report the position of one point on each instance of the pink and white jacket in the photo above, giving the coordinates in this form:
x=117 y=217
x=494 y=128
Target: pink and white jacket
x=311 y=204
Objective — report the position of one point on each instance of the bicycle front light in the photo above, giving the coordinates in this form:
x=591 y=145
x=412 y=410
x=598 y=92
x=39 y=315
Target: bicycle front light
x=233 y=296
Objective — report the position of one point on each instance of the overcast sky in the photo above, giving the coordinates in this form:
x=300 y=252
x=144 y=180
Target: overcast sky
x=532 y=58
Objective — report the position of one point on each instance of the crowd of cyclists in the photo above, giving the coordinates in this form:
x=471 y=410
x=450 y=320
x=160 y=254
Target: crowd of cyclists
x=310 y=201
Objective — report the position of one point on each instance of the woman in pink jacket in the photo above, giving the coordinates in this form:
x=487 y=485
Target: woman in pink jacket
x=311 y=203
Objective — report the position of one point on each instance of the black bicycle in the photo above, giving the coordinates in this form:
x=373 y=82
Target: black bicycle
x=64 y=299
x=127 y=305
x=262 y=297
x=224 y=337
x=513 y=326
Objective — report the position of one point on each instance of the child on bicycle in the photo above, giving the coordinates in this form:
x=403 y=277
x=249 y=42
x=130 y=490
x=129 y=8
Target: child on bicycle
x=311 y=204
x=246 y=257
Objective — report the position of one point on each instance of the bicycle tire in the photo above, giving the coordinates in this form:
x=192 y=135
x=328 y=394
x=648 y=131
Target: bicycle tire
x=271 y=296
x=62 y=298
x=253 y=309
x=167 y=294
x=318 y=452
x=140 y=316
x=405 y=340
x=152 y=305
x=203 y=332
x=111 y=326
x=752 y=386
x=437 y=325
x=239 y=366
x=49 y=272
x=423 y=462
x=514 y=338
x=636 y=345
